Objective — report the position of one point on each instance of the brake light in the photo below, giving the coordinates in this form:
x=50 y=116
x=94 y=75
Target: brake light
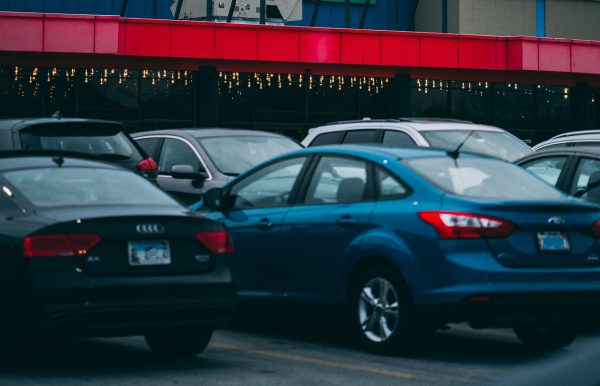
x=596 y=229
x=147 y=165
x=59 y=245
x=459 y=225
x=217 y=242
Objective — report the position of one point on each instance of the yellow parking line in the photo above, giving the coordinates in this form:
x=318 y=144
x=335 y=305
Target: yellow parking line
x=316 y=361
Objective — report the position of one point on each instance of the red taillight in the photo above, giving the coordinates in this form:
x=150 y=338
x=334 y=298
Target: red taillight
x=59 y=245
x=147 y=165
x=458 y=225
x=596 y=229
x=217 y=242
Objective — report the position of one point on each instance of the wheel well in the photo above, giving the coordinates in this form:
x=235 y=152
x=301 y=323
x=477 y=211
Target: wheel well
x=369 y=262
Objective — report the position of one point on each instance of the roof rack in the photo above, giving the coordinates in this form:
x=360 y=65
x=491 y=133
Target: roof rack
x=581 y=132
x=366 y=119
x=432 y=119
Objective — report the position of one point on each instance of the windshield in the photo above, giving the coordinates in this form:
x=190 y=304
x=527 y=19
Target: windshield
x=483 y=178
x=493 y=143
x=103 y=145
x=71 y=186
x=235 y=155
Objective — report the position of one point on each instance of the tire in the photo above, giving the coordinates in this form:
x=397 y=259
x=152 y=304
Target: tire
x=546 y=337
x=178 y=344
x=384 y=322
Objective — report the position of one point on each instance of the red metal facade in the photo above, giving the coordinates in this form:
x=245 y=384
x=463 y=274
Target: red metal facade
x=110 y=41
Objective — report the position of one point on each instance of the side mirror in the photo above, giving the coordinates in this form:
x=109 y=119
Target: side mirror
x=187 y=172
x=212 y=198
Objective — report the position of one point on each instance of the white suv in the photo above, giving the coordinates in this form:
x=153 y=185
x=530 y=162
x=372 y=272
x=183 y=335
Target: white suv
x=421 y=132
x=589 y=138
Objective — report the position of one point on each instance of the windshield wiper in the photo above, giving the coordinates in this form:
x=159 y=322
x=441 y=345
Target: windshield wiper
x=456 y=152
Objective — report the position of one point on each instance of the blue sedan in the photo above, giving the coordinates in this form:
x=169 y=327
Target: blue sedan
x=412 y=239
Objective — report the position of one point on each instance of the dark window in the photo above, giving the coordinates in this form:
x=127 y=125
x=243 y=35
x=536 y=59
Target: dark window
x=268 y=187
x=337 y=180
x=586 y=143
x=176 y=152
x=397 y=138
x=150 y=145
x=548 y=168
x=361 y=136
x=388 y=186
x=327 y=139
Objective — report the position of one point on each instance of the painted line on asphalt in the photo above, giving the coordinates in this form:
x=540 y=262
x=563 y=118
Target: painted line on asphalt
x=316 y=361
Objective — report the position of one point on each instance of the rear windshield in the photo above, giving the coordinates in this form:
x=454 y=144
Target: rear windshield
x=482 y=178
x=72 y=186
x=235 y=155
x=108 y=145
x=493 y=143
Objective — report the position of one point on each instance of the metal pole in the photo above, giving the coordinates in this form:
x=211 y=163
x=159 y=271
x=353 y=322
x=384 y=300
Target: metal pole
x=346 y=13
x=178 y=9
x=364 y=14
x=412 y=17
x=123 y=7
x=263 y=11
x=154 y=9
x=444 y=16
x=313 y=19
x=209 y=10
x=230 y=13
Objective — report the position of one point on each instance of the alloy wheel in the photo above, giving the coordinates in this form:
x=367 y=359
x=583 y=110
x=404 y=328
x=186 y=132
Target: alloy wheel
x=378 y=309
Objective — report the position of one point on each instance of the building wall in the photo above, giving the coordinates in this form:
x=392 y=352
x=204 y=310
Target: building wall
x=573 y=19
x=497 y=17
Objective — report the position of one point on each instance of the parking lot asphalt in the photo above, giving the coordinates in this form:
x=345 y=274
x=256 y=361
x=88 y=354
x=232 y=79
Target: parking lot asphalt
x=273 y=354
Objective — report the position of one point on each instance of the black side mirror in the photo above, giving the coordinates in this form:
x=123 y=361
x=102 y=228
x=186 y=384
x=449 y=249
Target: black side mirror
x=187 y=172
x=212 y=198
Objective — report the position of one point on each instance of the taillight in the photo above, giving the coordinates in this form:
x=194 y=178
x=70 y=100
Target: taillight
x=59 y=245
x=217 y=242
x=596 y=229
x=459 y=225
x=147 y=165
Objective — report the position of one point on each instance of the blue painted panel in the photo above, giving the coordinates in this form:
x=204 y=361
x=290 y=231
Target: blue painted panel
x=540 y=18
x=61 y=6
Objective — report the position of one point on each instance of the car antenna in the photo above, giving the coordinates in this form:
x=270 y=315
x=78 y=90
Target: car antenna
x=59 y=160
x=57 y=114
x=456 y=152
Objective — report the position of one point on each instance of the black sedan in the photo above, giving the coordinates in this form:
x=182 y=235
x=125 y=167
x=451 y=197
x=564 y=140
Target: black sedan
x=574 y=170
x=91 y=249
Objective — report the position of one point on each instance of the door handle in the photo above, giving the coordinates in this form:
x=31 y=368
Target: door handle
x=264 y=224
x=346 y=221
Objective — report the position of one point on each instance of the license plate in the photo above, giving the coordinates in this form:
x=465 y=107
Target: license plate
x=151 y=252
x=553 y=241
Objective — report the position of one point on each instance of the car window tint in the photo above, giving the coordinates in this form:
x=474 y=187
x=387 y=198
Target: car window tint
x=327 y=138
x=388 y=186
x=270 y=186
x=150 y=145
x=586 y=181
x=176 y=152
x=548 y=168
x=397 y=138
x=337 y=180
x=360 y=136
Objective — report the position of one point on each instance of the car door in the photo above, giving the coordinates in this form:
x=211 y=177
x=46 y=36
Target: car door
x=178 y=151
x=586 y=180
x=551 y=168
x=326 y=225
x=258 y=205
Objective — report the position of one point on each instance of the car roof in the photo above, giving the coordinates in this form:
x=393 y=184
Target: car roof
x=208 y=132
x=24 y=159
x=418 y=124
x=17 y=124
x=579 y=150
x=595 y=133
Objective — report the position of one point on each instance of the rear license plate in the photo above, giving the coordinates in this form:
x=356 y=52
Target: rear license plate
x=553 y=241
x=151 y=252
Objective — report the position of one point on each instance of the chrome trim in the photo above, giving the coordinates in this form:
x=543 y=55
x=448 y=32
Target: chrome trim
x=210 y=177
x=149 y=228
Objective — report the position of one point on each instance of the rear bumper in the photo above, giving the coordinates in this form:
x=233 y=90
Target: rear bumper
x=127 y=311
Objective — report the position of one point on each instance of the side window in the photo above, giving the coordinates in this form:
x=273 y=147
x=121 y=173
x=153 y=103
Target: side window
x=548 y=169
x=150 y=145
x=337 y=180
x=586 y=181
x=327 y=138
x=176 y=152
x=397 y=138
x=387 y=186
x=361 y=136
x=269 y=187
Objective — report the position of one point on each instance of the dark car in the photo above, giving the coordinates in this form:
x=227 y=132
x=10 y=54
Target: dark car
x=191 y=161
x=574 y=170
x=411 y=239
x=103 y=140
x=89 y=248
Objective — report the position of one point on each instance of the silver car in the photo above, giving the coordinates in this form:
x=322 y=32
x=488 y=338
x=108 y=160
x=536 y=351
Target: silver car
x=588 y=138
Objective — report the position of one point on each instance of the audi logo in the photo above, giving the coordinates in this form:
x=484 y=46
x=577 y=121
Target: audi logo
x=149 y=228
